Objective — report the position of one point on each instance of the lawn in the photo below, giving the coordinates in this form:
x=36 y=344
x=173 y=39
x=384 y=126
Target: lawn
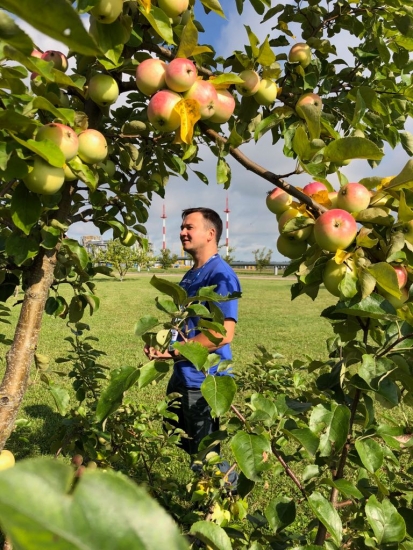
x=267 y=316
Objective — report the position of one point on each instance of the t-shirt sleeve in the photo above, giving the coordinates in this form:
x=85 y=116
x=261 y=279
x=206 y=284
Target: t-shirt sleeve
x=228 y=284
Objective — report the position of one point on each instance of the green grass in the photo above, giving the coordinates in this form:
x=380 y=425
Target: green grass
x=267 y=316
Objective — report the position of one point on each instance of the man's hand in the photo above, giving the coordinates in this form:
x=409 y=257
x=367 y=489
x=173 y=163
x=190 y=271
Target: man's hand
x=153 y=353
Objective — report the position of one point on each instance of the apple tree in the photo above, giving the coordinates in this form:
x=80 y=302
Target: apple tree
x=92 y=134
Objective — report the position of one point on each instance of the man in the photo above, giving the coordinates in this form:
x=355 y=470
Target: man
x=201 y=230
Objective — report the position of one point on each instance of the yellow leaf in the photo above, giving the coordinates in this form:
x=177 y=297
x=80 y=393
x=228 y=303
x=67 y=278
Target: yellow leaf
x=341 y=256
x=189 y=112
x=146 y=4
x=385 y=181
x=322 y=198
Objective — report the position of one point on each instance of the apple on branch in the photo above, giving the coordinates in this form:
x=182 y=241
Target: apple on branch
x=335 y=230
x=161 y=111
x=173 y=8
x=150 y=76
x=298 y=234
x=310 y=100
x=205 y=94
x=58 y=59
x=278 y=201
x=353 y=197
x=334 y=273
x=180 y=74
x=107 y=11
x=300 y=53
x=93 y=147
x=224 y=107
x=43 y=178
x=63 y=136
x=290 y=247
x=103 y=89
x=266 y=93
x=313 y=188
x=251 y=83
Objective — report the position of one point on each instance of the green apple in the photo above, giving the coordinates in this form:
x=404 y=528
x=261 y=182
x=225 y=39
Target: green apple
x=107 y=11
x=6 y=459
x=43 y=178
x=300 y=53
x=129 y=239
x=334 y=273
x=266 y=93
x=93 y=147
x=103 y=89
x=251 y=83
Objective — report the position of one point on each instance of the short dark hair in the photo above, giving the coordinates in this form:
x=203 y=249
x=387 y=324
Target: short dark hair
x=212 y=218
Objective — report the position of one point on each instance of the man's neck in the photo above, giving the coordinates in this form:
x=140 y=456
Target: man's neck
x=202 y=257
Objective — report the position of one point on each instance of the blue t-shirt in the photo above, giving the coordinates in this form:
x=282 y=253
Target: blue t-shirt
x=214 y=272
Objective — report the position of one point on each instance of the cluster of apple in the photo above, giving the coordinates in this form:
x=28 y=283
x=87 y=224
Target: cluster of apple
x=333 y=230
x=90 y=146
x=168 y=83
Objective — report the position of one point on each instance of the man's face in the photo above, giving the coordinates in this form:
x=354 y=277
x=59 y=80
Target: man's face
x=195 y=233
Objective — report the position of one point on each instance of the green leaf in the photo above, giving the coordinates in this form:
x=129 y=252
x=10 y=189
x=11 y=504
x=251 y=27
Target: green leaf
x=13 y=35
x=111 y=39
x=352 y=148
x=21 y=248
x=280 y=513
x=188 y=41
x=266 y=56
x=57 y=19
x=173 y=290
x=154 y=370
x=326 y=513
x=251 y=452
x=370 y=453
x=61 y=398
x=211 y=534
x=312 y=116
x=219 y=392
x=374 y=306
x=376 y=215
x=404 y=180
x=77 y=252
x=121 y=380
x=386 y=278
x=46 y=149
x=346 y=488
x=405 y=213
x=102 y=511
x=65 y=115
x=388 y=525
x=145 y=324
x=25 y=208
x=195 y=352
x=214 y=6
x=159 y=21
x=335 y=434
x=307 y=439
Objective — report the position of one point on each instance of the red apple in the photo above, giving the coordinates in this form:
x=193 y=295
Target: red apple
x=58 y=58
x=300 y=53
x=93 y=147
x=353 y=197
x=63 y=136
x=290 y=248
x=401 y=273
x=308 y=100
x=334 y=273
x=335 y=229
x=107 y=11
x=299 y=234
x=150 y=76
x=161 y=111
x=43 y=178
x=206 y=96
x=173 y=8
x=251 y=83
x=278 y=201
x=224 y=107
x=314 y=187
x=103 y=89
x=180 y=74
x=266 y=93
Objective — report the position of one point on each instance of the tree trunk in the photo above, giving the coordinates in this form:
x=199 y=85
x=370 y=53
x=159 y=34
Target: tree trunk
x=20 y=355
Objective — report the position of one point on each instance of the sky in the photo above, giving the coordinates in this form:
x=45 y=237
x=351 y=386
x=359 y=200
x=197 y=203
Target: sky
x=251 y=225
